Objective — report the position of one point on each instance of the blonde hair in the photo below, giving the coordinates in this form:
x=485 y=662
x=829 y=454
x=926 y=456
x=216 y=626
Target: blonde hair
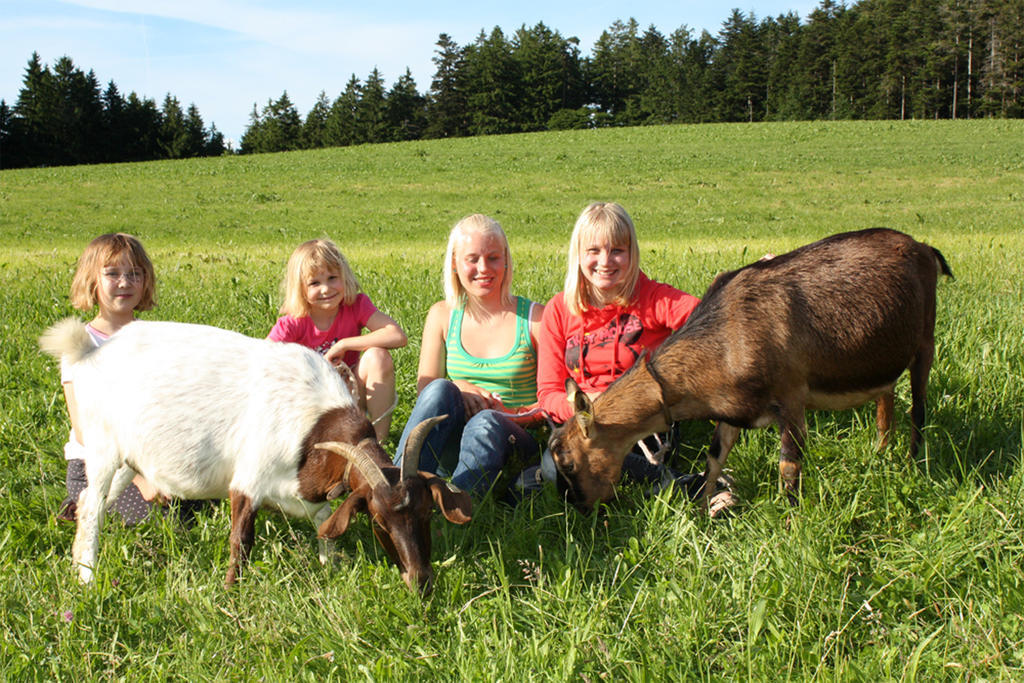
x=604 y=222
x=308 y=257
x=454 y=292
x=103 y=251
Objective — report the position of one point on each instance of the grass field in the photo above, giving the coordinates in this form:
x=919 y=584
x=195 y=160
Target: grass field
x=890 y=568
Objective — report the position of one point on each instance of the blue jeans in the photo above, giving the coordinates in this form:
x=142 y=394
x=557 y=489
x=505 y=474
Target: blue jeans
x=469 y=451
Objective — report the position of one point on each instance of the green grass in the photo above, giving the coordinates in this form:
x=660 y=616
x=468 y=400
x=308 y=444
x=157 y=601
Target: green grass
x=890 y=569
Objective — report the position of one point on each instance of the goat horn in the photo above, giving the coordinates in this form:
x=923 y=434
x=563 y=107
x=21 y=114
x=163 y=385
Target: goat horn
x=411 y=456
x=360 y=460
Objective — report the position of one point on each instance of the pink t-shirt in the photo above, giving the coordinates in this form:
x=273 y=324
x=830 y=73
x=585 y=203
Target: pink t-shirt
x=349 y=322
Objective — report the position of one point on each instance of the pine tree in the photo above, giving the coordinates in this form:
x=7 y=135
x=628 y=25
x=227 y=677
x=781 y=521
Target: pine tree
x=656 y=97
x=10 y=156
x=446 y=109
x=89 y=115
x=492 y=85
x=277 y=128
x=174 y=138
x=692 y=61
x=816 y=74
x=283 y=125
x=859 y=58
x=371 y=115
x=405 y=110
x=314 y=129
x=195 y=133
x=77 y=119
x=957 y=42
x=1002 y=67
x=142 y=123
x=612 y=70
x=252 y=137
x=781 y=40
x=341 y=122
x=114 y=124
x=36 y=113
x=550 y=75
x=214 y=146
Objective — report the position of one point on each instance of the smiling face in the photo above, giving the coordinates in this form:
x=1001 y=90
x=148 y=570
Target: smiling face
x=605 y=266
x=604 y=260
x=119 y=287
x=479 y=261
x=323 y=290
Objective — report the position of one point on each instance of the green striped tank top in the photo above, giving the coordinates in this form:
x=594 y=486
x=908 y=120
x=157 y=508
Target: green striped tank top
x=512 y=376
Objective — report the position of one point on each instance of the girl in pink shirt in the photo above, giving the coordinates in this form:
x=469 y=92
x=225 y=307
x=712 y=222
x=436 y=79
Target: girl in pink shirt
x=324 y=310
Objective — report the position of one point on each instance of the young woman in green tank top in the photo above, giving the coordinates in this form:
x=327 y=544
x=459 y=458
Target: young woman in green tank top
x=478 y=362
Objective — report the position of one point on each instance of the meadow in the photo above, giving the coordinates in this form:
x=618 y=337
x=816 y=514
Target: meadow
x=890 y=569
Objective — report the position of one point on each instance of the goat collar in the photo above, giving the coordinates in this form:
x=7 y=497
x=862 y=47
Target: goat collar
x=661 y=390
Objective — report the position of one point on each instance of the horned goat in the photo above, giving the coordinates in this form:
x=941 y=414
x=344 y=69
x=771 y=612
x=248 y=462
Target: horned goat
x=202 y=413
x=831 y=325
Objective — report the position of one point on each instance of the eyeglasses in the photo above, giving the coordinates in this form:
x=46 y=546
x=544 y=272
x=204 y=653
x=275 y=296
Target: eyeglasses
x=130 y=276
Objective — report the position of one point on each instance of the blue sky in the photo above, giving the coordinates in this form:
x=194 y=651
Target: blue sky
x=226 y=55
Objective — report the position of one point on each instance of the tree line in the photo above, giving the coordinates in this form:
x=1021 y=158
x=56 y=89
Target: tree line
x=872 y=59
x=62 y=117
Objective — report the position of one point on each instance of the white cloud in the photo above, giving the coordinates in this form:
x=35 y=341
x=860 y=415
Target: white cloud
x=333 y=33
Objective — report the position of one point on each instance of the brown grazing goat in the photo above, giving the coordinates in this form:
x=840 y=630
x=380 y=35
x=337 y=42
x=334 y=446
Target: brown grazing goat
x=397 y=500
x=831 y=325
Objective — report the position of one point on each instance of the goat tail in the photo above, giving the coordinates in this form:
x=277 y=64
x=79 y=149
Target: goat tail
x=67 y=339
x=943 y=266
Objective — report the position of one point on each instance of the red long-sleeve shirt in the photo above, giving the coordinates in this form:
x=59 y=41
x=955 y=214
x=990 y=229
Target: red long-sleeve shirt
x=597 y=347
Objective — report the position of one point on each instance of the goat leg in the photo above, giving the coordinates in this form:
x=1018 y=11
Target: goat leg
x=919 y=369
x=91 y=508
x=883 y=418
x=122 y=479
x=243 y=523
x=793 y=434
x=721 y=443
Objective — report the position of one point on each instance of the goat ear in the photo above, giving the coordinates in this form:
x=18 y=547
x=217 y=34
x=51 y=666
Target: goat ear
x=337 y=523
x=579 y=399
x=585 y=420
x=571 y=389
x=454 y=503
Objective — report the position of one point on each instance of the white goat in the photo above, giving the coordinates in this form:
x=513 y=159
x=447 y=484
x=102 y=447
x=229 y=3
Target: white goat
x=202 y=413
